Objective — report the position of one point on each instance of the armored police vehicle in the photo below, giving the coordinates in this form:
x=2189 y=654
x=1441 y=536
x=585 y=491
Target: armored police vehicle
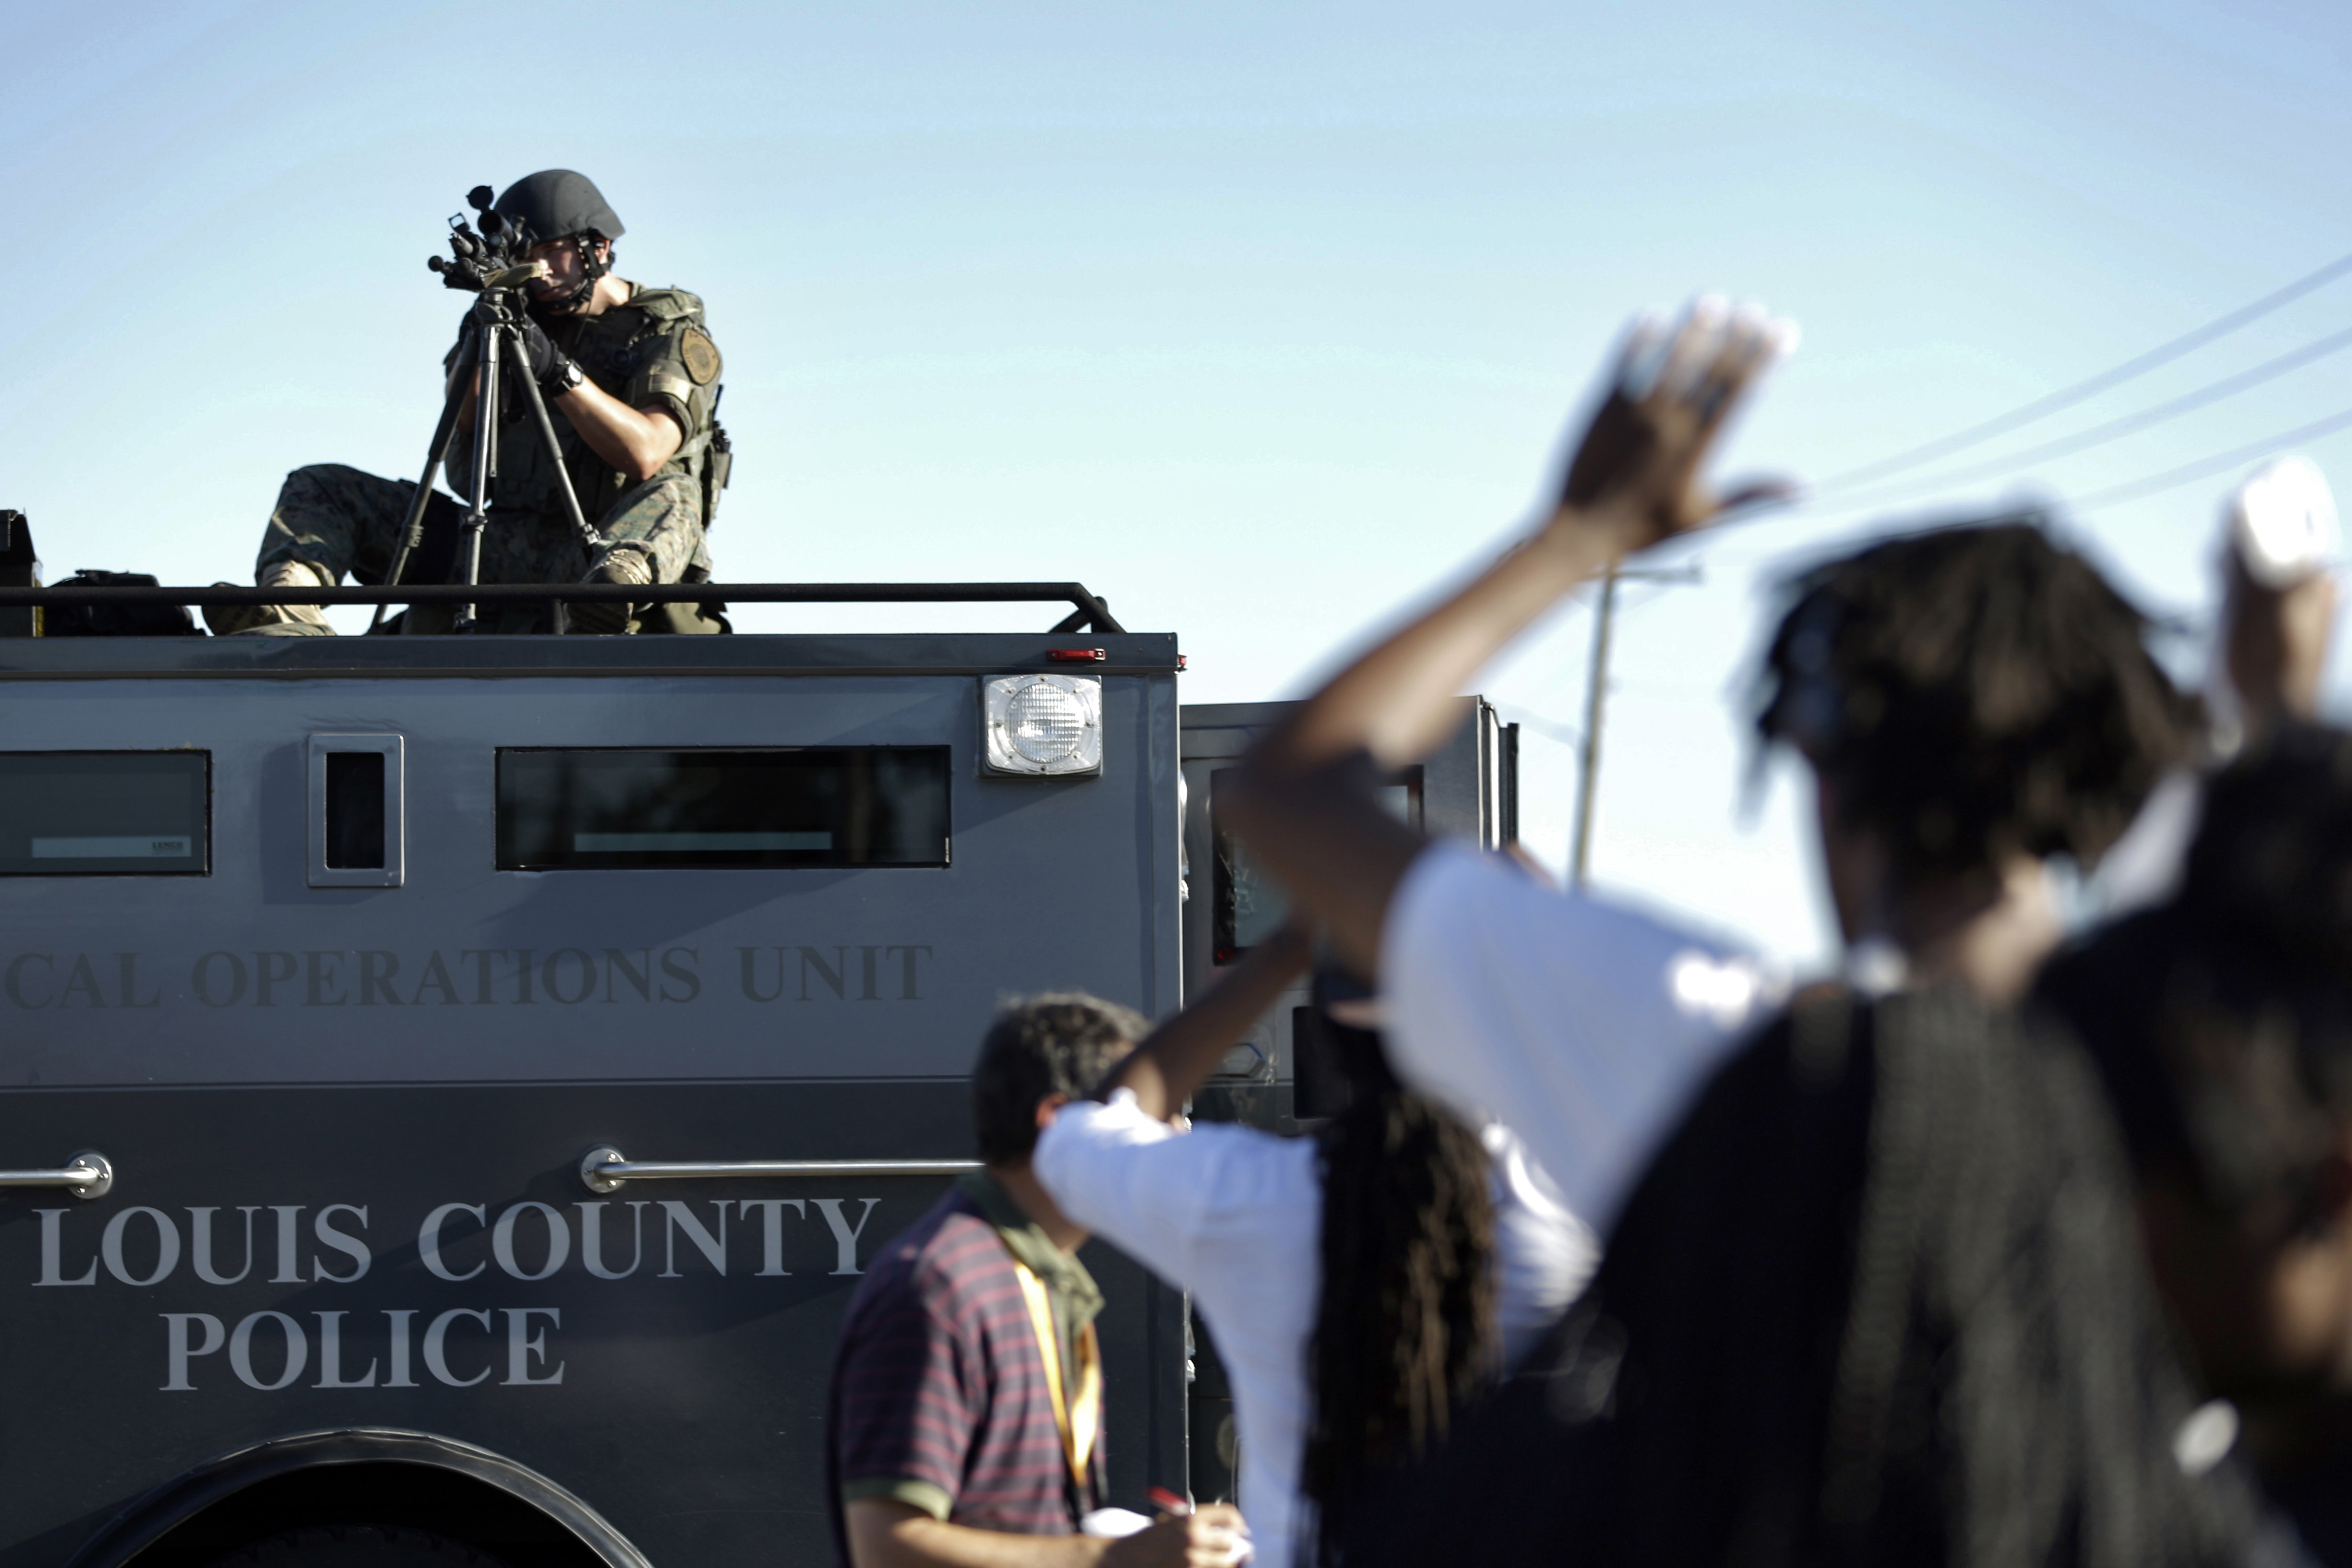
x=456 y=1082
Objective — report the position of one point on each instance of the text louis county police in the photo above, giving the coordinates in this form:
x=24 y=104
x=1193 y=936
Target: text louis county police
x=144 y=1247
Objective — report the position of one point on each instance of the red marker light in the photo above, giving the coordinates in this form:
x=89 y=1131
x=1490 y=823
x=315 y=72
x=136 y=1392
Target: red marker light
x=1076 y=655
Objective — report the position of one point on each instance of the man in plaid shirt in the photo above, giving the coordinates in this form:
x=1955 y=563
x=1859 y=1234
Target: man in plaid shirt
x=963 y=1429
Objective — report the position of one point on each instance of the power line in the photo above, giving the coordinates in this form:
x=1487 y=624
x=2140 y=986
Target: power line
x=2067 y=397
x=2114 y=429
x=2149 y=485
x=2133 y=490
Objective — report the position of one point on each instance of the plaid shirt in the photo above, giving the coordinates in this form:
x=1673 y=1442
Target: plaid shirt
x=940 y=1397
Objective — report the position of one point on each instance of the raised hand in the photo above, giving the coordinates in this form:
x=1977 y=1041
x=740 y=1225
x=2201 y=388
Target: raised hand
x=2281 y=592
x=1671 y=393
x=1305 y=805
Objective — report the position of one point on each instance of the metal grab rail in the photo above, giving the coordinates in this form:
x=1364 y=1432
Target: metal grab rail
x=1088 y=611
x=605 y=1168
x=86 y=1175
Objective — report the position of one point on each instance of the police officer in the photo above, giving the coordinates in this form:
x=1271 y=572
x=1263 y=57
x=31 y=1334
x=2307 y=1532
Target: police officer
x=629 y=374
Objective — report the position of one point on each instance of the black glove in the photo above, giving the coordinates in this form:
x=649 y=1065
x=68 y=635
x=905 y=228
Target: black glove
x=548 y=364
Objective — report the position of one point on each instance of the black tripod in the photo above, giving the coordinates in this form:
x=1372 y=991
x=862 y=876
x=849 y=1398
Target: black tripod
x=492 y=343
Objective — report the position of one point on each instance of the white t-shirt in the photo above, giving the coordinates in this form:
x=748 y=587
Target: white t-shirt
x=1235 y=1216
x=1587 y=1024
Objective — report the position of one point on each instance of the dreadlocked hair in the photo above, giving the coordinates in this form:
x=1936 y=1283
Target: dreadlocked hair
x=1403 y=1328
x=1975 y=693
x=1877 y=1300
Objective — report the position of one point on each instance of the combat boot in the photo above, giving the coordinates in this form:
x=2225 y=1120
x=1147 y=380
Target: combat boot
x=274 y=619
x=628 y=567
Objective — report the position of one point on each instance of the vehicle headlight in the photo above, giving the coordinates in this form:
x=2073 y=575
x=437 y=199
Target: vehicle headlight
x=1042 y=725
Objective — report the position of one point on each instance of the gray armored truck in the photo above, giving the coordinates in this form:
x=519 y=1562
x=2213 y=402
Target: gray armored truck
x=454 y=1083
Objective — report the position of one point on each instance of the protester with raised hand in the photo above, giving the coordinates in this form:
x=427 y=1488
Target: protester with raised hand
x=1876 y=1298
x=1362 y=1282
x=1879 y=1293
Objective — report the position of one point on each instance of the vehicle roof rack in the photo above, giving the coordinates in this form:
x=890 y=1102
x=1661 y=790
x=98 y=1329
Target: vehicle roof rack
x=1088 y=611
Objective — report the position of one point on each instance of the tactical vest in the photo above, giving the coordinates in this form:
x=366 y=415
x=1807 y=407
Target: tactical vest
x=652 y=352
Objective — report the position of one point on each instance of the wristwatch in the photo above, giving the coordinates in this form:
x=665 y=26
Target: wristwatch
x=567 y=377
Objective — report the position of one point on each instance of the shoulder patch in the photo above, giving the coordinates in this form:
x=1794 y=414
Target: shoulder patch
x=700 y=354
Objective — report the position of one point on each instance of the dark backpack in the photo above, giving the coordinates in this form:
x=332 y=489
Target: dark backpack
x=116 y=619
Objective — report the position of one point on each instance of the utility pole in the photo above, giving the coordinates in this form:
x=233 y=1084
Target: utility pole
x=1596 y=689
x=1596 y=697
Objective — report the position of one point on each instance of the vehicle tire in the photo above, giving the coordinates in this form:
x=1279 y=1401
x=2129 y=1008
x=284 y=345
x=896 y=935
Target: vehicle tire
x=356 y=1546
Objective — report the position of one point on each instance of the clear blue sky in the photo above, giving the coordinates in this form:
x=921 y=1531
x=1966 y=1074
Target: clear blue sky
x=1262 y=319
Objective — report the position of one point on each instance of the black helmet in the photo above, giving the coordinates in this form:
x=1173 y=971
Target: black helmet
x=555 y=202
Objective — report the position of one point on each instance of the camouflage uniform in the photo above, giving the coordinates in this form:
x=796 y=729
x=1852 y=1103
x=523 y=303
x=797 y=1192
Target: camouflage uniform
x=650 y=353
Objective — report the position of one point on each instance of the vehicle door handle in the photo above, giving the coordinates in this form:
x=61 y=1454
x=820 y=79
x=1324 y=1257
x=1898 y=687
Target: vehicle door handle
x=605 y=1168
x=88 y=1175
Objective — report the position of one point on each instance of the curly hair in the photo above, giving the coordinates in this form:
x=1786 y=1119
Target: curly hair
x=1403 y=1326
x=1974 y=693
x=1060 y=1042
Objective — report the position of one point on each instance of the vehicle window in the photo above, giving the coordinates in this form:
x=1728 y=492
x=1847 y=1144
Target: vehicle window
x=711 y=809
x=355 y=810
x=1249 y=905
x=112 y=813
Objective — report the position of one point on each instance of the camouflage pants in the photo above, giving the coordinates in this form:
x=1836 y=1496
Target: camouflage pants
x=346 y=522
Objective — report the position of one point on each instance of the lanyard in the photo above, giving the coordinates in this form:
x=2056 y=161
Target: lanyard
x=1079 y=1419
